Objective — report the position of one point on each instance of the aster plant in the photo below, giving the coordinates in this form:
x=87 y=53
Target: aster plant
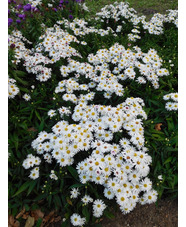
x=85 y=109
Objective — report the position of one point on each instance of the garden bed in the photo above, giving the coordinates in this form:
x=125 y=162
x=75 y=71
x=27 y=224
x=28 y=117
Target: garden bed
x=92 y=115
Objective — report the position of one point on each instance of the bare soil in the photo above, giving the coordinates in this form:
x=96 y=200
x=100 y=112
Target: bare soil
x=165 y=214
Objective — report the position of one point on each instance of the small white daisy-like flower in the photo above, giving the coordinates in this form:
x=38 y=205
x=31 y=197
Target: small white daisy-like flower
x=169 y=106
x=160 y=177
x=53 y=175
x=98 y=207
x=74 y=193
x=51 y=113
x=87 y=199
x=150 y=196
x=26 y=97
x=76 y=220
x=141 y=80
x=34 y=174
x=108 y=193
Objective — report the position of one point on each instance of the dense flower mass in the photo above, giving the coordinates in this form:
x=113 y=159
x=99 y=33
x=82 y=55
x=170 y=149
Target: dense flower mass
x=93 y=123
x=121 y=13
x=80 y=27
x=13 y=90
x=173 y=103
x=120 y=167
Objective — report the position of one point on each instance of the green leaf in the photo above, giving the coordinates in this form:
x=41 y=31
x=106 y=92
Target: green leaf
x=73 y=172
x=97 y=225
x=24 y=89
x=57 y=200
x=31 y=114
x=168 y=160
x=76 y=185
x=14 y=211
x=86 y=213
x=41 y=126
x=27 y=207
x=65 y=223
x=109 y=215
x=22 y=188
x=31 y=187
x=40 y=197
x=34 y=206
x=49 y=199
x=170 y=126
x=158 y=137
x=61 y=185
x=21 y=81
x=38 y=116
x=39 y=221
x=20 y=73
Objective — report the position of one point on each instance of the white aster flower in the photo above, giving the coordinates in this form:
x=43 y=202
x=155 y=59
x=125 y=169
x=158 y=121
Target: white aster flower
x=74 y=193
x=86 y=199
x=51 y=113
x=76 y=220
x=26 y=97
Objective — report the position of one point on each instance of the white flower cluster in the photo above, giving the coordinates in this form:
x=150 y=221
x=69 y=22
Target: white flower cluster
x=80 y=27
x=121 y=13
x=53 y=175
x=84 y=7
x=104 y=121
x=32 y=61
x=98 y=206
x=116 y=12
x=36 y=64
x=172 y=16
x=126 y=62
x=16 y=38
x=13 y=90
x=85 y=199
x=62 y=111
x=56 y=43
x=31 y=161
x=64 y=143
x=121 y=168
x=156 y=24
x=173 y=104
